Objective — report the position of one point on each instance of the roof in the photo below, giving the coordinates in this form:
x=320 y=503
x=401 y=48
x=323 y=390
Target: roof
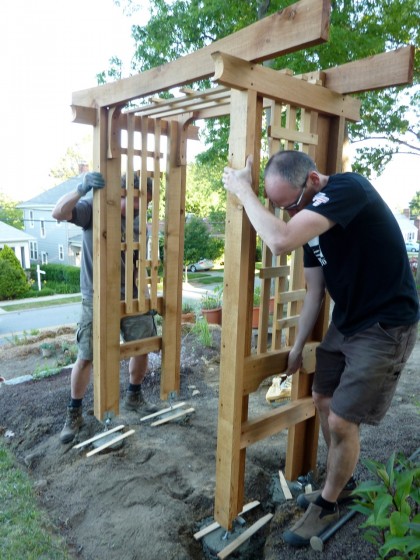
x=10 y=234
x=50 y=197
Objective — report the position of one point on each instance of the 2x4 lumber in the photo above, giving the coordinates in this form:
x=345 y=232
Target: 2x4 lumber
x=298 y=26
x=163 y=411
x=136 y=309
x=98 y=436
x=110 y=443
x=247 y=534
x=138 y=347
x=175 y=416
x=174 y=255
x=276 y=420
x=106 y=248
x=213 y=526
x=185 y=103
x=245 y=138
x=292 y=135
x=241 y=74
x=258 y=367
x=392 y=68
x=89 y=115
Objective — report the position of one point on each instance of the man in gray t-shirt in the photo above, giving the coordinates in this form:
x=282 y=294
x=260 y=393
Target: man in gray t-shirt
x=72 y=208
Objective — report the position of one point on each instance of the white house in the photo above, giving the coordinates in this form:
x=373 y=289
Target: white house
x=18 y=241
x=408 y=229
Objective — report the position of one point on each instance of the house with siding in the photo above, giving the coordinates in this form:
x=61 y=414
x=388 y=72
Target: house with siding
x=19 y=241
x=54 y=241
x=408 y=226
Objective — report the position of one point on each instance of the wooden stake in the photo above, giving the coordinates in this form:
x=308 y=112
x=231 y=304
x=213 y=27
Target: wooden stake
x=105 y=445
x=98 y=436
x=162 y=411
x=285 y=487
x=215 y=525
x=169 y=418
x=244 y=537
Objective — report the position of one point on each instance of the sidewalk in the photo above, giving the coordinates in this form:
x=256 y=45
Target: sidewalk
x=6 y=303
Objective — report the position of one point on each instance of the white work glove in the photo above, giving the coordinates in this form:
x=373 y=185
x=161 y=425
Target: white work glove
x=91 y=180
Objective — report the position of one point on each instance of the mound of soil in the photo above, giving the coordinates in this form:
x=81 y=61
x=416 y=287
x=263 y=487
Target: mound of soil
x=145 y=500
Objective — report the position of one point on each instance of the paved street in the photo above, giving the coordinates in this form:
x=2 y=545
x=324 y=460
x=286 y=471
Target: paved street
x=16 y=322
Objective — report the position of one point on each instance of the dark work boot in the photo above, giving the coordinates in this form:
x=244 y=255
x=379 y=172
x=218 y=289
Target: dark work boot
x=346 y=495
x=135 y=401
x=74 y=421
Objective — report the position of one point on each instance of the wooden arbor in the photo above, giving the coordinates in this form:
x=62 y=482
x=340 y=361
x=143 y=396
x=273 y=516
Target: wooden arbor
x=307 y=111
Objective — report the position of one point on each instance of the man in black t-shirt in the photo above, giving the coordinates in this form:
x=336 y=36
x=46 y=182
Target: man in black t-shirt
x=353 y=247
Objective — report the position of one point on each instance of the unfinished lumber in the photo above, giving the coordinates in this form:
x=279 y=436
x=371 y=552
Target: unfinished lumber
x=163 y=411
x=98 y=436
x=300 y=25
x=173 y=416
x=285 y=487
x=240 y=74
x=213 y=526
x=227 y=551
x=110 y=443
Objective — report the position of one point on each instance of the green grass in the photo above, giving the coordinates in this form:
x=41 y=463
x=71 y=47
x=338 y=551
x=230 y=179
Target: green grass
x=209 y=280
x=41 y=303
x=25 y=532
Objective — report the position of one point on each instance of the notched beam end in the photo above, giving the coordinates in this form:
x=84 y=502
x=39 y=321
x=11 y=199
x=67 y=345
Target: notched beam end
x=84 y=115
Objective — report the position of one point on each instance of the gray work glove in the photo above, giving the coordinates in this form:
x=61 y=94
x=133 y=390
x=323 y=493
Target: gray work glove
x=91 y=180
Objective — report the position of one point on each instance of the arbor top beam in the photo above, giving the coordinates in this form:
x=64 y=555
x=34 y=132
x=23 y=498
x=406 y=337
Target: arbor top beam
x=299 y=26
x=243 y=75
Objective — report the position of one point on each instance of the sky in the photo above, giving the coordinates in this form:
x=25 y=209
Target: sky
x=51 y=48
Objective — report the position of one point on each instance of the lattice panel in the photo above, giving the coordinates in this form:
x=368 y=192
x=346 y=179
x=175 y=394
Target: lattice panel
x=141 y=157
x=289 y=129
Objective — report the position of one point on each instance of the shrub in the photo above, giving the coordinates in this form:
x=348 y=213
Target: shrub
x=13 y=281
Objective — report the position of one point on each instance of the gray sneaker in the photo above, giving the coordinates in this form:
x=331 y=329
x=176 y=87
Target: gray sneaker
x=136 y=402
x=74 y=421
x=304 y=500
x=312 y=524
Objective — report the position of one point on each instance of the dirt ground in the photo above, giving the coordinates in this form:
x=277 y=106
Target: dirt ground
x=145 y=500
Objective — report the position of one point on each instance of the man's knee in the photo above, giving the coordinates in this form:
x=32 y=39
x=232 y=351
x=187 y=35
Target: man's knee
x=341 y=428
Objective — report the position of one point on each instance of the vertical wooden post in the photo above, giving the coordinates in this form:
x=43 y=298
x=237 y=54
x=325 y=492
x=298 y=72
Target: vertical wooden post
x=106 y=247
x=174 y=256
x=245 y=138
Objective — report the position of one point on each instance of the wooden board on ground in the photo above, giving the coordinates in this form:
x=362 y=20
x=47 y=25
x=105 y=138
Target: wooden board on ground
x=213 y=526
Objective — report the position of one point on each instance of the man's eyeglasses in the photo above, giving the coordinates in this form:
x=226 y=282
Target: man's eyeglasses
x=298 y=200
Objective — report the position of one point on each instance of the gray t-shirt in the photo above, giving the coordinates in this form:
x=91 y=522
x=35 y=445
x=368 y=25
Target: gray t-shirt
x=82 y=216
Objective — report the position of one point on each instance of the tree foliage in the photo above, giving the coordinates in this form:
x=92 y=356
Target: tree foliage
x=9 y=214
x=414 y=205
x=198 y=242
x=69 y=165
x=359 y=28
x=13 y=281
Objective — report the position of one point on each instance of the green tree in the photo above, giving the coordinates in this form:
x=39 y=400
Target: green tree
x=9 y=214
x=69 y=164
x=359 y=28
x=414 y=205
x=13 y=281
x=198 y=242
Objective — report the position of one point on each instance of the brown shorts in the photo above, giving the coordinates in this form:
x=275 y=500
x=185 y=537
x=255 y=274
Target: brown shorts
x=133 y=327
x=361 y=372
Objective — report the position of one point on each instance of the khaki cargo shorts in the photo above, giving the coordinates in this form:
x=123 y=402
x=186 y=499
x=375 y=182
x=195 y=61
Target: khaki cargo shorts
x=133 y=327
x=361 y=372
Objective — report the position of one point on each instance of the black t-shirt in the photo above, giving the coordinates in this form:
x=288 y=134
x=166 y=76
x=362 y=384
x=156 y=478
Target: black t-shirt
x=363 y=257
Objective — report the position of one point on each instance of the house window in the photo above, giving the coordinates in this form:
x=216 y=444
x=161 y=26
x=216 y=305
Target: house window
x=44 y=257
x=61 y=252
x=42 y=226
x=34 y=250
x=31 y=219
